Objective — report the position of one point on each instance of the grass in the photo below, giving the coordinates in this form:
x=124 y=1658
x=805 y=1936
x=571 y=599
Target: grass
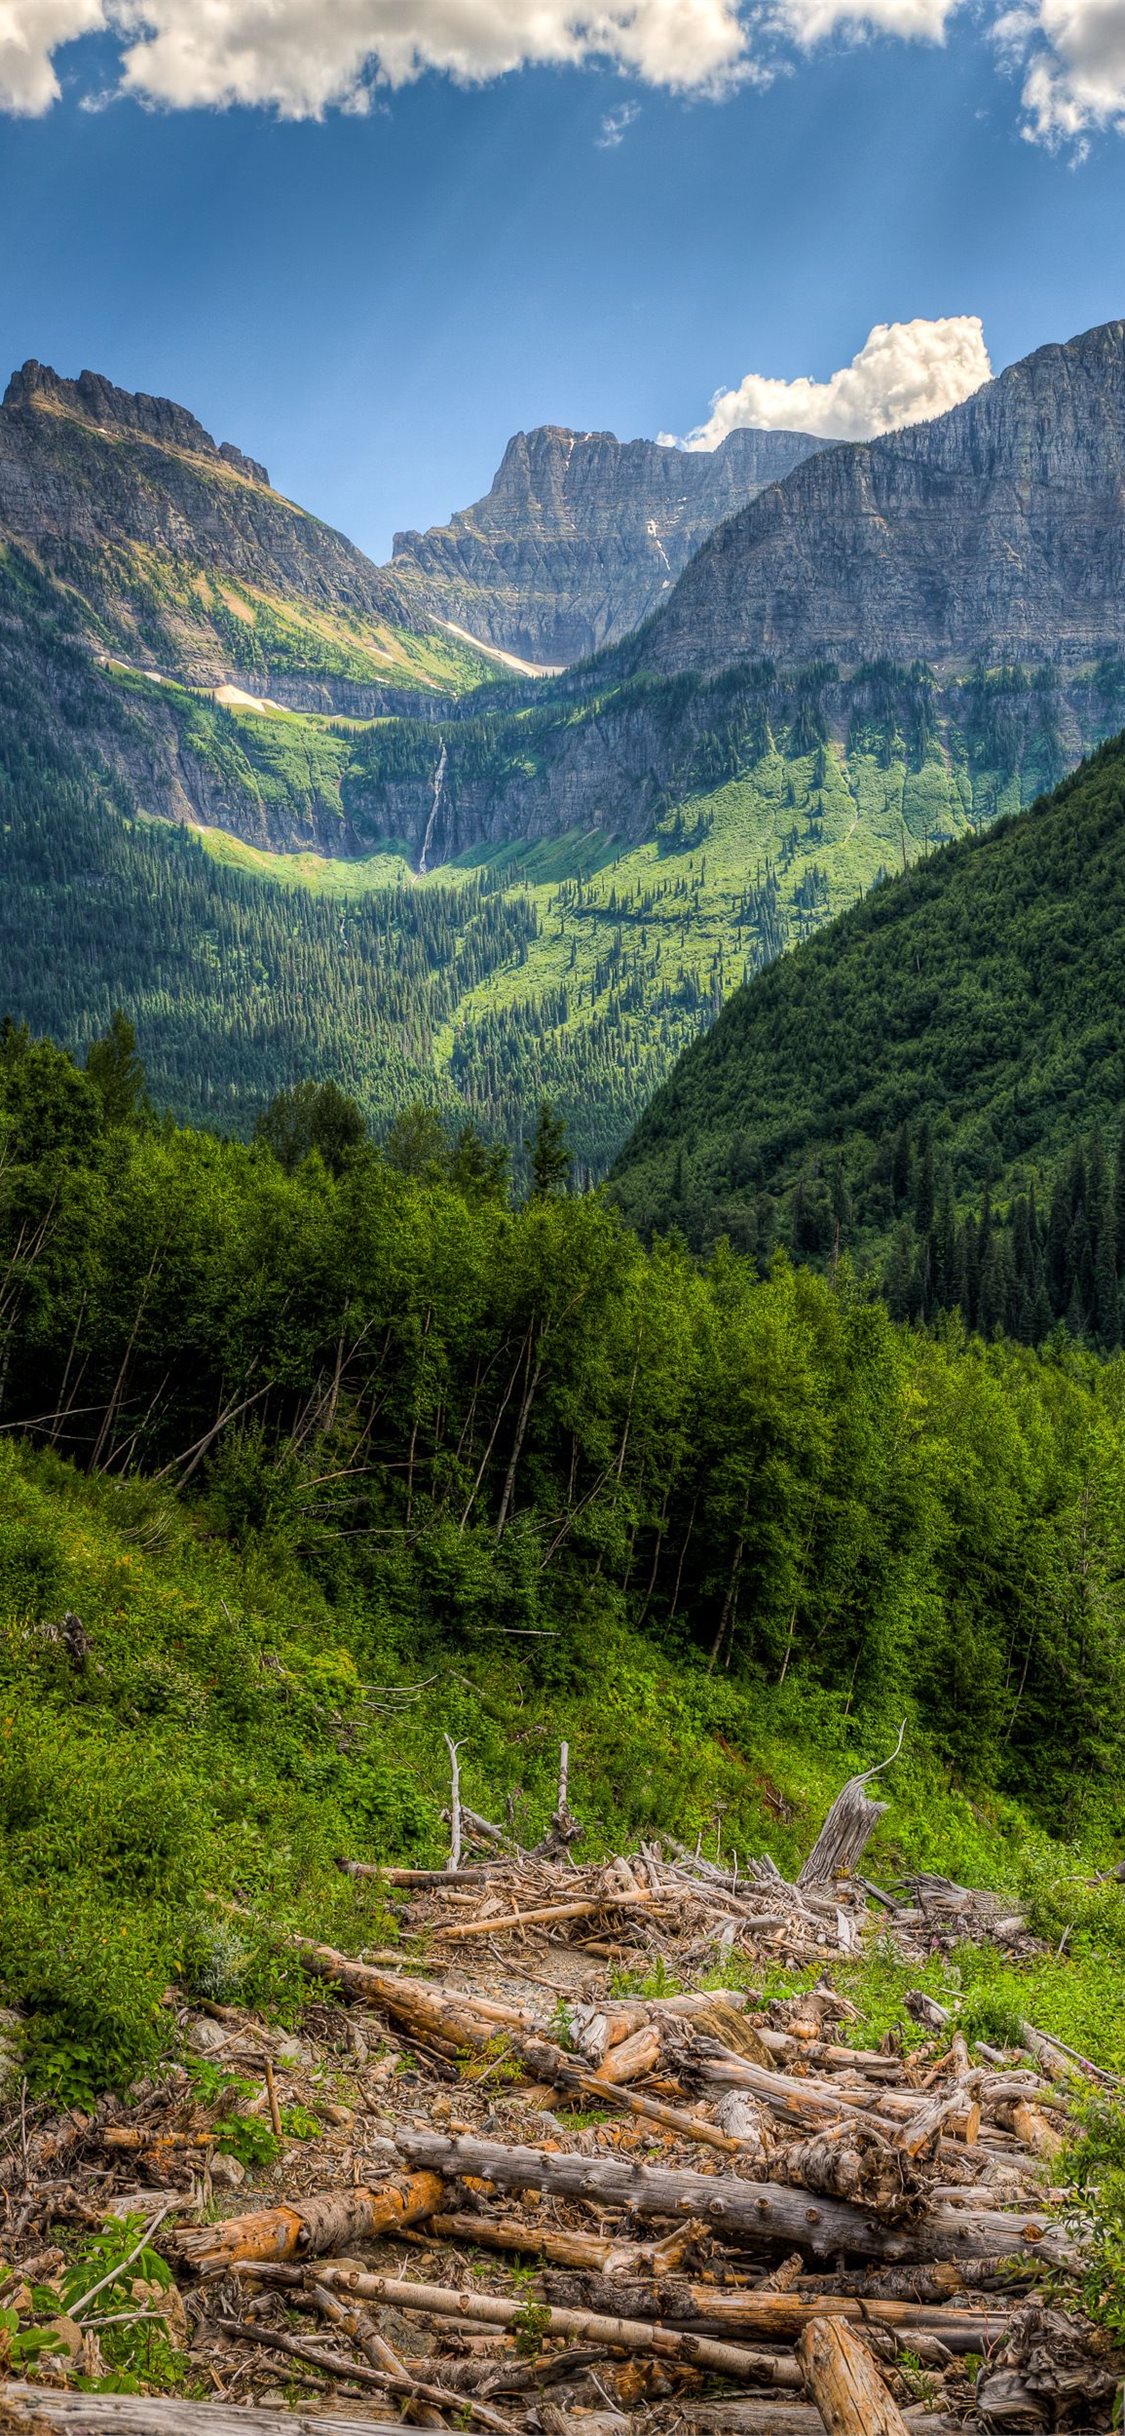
x=222 y=1743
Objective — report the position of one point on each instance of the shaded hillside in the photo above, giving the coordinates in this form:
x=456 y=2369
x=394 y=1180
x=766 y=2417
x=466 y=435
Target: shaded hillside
x=957 y=1033
x=582 y=535
x=996 y=530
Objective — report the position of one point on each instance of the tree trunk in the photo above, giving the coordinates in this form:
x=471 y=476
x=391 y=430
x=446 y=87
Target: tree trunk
x=583 y=2325
x=847 y=1828
x=767 y=2211
x=331 y=2220
x=166 y=2415
x=843 y=2381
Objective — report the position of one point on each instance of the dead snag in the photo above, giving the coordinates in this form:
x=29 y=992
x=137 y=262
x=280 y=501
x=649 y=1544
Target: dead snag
x=847 y=1828
x=332 y=2220
x=843 y=2381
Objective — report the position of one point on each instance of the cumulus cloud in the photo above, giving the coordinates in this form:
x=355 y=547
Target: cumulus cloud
x=810 y=21
x=31 y=31
x=615 y=125
x=1073 y=52
x=303 y=57
x=905 y=372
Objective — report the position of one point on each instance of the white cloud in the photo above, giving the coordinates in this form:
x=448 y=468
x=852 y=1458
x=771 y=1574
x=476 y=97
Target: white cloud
x=303 y=57
x=905 y=372
x=31 y=31
x=616 y=124
x=1074 y=55
x=810 y=21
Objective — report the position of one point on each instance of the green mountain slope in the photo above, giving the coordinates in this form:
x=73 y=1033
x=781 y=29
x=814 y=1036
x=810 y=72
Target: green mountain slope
x=954 y=1036
x=280 y=1437
x=549 y=889
x=577 y=965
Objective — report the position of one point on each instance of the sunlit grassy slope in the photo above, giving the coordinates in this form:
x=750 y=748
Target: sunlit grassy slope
x=635 y=946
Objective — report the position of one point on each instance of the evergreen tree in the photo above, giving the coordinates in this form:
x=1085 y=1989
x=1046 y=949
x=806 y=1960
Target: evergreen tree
x=548 y=1154
x=311 y=1117
x=924 y=1190
x=116 y=1072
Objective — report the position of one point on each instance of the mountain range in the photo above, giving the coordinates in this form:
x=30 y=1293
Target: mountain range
x=995 y=531
x=582 y=535
x=407 y=858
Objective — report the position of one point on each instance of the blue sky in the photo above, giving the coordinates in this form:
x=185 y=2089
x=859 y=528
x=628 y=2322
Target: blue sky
x=372 y=303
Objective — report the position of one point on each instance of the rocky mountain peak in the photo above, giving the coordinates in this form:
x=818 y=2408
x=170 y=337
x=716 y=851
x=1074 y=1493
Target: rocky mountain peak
x=97 y=401
x=582 y=535
x=998 y=529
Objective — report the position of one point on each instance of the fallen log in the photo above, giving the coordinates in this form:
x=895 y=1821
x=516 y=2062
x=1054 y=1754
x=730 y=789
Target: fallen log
x=754 y=2415
x=331 y=2220
x=545 y=1915
x=631 y=2058
x=762 y=2211
x=167 y=2415
x=600 y=2252
x=781 y=2317
x=843 y=2381
x=583 y=2325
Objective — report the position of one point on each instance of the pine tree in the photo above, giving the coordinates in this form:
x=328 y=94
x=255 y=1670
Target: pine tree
x=924 y=1193
x=549 y=1155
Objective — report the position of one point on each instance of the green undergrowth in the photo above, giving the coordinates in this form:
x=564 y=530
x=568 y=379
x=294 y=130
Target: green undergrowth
x=186 y=1790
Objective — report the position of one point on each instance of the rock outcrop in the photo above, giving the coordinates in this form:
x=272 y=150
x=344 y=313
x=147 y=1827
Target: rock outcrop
x=997 y=530
x=582 y=535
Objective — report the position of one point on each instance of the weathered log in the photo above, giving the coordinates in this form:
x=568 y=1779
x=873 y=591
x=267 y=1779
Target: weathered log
x=754 y=2415
x=331 y=2220
x=843 y=2381
x=361 y=2330
x=167 y=2415
x=601 y=2252
x=781 y=2317
x=1033 y=2127
x=847 y=1829
x=618 y=2333
x=631 y=2058
x=921 y=2132
x=763 y=2211
x=546 y=1914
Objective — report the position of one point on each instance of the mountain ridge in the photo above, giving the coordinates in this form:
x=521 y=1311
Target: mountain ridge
x=581 y=534
x=996 y=529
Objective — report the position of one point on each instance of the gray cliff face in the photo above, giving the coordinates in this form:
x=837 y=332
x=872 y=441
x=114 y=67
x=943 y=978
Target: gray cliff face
x=94 y=479
x=582 y=536
x=998 y=530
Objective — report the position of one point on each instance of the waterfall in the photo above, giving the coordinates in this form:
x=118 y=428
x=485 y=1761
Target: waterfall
x=435 y=807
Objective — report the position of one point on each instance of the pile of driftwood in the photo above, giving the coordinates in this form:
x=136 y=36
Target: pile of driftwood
x=552 y=2210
